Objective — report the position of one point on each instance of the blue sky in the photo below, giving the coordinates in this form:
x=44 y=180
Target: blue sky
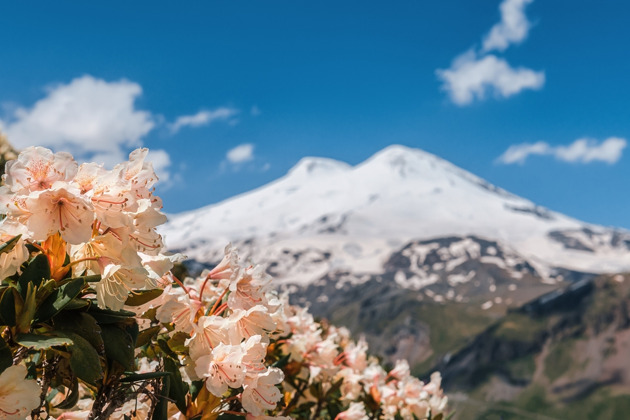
x=342 y=79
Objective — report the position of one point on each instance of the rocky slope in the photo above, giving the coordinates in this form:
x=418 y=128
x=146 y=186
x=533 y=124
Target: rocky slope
x=564 y=355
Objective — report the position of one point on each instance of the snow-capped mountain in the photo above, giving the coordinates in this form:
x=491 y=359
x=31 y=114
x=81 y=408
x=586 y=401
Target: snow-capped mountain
x=326 y=216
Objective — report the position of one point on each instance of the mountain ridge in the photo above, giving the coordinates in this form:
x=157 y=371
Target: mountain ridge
x=398 y=194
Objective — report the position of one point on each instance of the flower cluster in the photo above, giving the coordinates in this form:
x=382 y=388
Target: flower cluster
x=108 y=219
x=93 y=324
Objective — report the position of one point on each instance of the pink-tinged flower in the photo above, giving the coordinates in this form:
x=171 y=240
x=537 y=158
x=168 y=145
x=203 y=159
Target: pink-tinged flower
x=11 y=261
x=355 y=412
x=351 y=386
x=254 y=321
x=103 y=246
x=181 y=310
x=116 y=282
x=260 y=392
x=248 y=288
x=135 y=409
x=37 y=168
x=222 y=368
x=111 y=203
x=209 y=332
x=321 y=358
x=400 y=371
x=138 y=173
x=356 y=355
x=18 y=396
x=254 y=350
x=158 y=267
x=59 y=209
x=228 y=267
x=252 y=417
x=87 y=177
x=144 y=235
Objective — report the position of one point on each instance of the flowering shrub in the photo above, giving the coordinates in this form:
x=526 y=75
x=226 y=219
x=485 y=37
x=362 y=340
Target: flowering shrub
x=95 y=326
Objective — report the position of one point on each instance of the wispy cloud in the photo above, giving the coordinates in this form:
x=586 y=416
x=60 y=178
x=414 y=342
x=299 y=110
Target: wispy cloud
x=203 y=117
x=472 y=75
x=470 y=78
x=241 y=153
x=512 y=29
x=580 y=151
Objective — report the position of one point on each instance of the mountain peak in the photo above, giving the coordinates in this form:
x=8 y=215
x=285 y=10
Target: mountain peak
x=318 y=166
x=406 y=161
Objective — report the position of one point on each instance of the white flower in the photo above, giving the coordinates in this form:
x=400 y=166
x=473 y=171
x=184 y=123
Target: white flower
x=180 y=309
x=355 y=412
x=401 y=370
x=87 y=177
x=18 y=396
x=228 y=266
x=209 y=333
x=260 y=392
x=37 y=168
x=59 y=209
x=248 y=287
x=11 y=261
x=116 y=282
x=244 y=324
x=222 y=368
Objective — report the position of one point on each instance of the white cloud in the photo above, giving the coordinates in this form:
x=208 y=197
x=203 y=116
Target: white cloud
x=204 y=117
x=241 y=153
x=471 y=77
x=589 y=150
x=518 y=153
x=512 y=29
x=580 y=151
x=91 y=118
x=86 y=116
x=161 y=161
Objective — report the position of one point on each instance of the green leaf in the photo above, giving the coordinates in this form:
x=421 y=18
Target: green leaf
x=143 y=296
x=161 y=408
x=45 y=290
x=282 y=362
x=59 y=299
x=76 y=303
x=82 y=324
x=36 y=271
x=72 y=398
x=119 y=345
x=9 y=245
x=146 y=335
x=177 y=342
x=166 y=349
x=137 y=377
x=91 y=279
x=25 y=312
x=42 y=342
x=6 y=357
x=7 y=306
x=107 y=316
x=195 y=387
x=178 y=389
x=84 y=362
